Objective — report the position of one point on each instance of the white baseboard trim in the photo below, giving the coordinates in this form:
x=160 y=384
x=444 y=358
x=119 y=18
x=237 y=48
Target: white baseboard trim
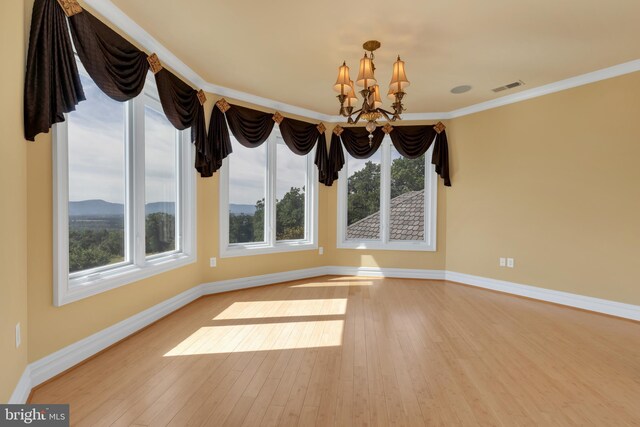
x=598 y=305
x=404 y=273
x=67 y=357
x=23 y=389
x=49 y=366
x=265 y=279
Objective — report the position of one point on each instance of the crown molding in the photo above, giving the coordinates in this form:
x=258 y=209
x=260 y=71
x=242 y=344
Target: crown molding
x=583 y=79
x=121 y=20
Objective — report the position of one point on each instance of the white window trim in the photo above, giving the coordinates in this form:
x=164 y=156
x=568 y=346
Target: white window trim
x=91 y=282
x=430 y=208
x=270 y=245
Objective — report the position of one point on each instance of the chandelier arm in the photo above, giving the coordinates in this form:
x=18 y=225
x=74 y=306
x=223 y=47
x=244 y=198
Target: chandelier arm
x=358 y=116
x=385 y=113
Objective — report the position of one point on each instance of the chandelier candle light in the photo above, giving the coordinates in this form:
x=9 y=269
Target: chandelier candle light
x=370 y=110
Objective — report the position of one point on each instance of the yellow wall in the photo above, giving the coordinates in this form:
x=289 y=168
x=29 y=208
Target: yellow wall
x=553 y=182
x=13 y=193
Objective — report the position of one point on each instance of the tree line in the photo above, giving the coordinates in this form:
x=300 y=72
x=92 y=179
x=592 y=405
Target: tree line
x=363 y=187
x=245 y=228
x=92 y=247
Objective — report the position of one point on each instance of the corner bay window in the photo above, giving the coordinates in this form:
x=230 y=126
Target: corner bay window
x=123 y=193
x=267 y=199
x=387 y=201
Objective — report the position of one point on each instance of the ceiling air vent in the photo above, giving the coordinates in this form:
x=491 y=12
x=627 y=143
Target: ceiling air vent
x=508 y=86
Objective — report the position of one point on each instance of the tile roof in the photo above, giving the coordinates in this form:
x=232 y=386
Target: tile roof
x=406 y=220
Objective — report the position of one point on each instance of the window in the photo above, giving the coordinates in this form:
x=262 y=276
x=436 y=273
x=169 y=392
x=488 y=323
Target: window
x=123 y=194
x=267 y=200
x=387 y=201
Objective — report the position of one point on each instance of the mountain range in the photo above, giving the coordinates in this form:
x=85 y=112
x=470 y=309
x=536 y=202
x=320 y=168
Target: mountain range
x=236 y=209
x=104 y=208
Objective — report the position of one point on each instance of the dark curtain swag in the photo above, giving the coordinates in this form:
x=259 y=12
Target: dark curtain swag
x=52 y=84
x=119 y=69
x=300 y=136
x=252 y=128
x=410 y=141
x=356 y=141
x=334 y=161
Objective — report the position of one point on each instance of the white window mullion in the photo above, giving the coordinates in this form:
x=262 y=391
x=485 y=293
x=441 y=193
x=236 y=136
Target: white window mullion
x=385 y=190
x=179 y=228
x=270 y=202
x=309 y=195
x=135 y=145
x=431 y=200
x=60 y=153
x=223 y=202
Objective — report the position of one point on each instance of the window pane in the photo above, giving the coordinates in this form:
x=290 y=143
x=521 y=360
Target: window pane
x=247 y=189
x=160 y=182
x=290 y=193
x=406 y=207
x=363 y=198
x=96 y=180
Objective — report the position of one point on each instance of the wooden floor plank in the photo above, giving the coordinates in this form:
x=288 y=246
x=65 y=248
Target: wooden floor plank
x=362 y=351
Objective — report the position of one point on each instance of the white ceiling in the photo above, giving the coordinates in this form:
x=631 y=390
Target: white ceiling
x=289 y=50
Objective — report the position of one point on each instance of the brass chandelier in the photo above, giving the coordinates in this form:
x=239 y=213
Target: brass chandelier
x=371 y=105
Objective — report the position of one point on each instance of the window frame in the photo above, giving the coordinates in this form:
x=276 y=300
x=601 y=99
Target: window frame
x=137 y=265
x=384 y=243
x=270 y=245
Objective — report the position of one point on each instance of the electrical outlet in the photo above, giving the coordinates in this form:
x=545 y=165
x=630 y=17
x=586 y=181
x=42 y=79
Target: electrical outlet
x=321 y=250
x=18 y=335
x=510 y=262
x=212 y=262
x=503 y=262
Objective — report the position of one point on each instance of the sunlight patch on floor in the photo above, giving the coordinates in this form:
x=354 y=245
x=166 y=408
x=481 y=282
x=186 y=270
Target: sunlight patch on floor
x=284 y=308
x=260 y=337
x=346 y=284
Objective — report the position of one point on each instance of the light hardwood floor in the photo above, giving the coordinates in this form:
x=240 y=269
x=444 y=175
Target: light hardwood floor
x=363 y=351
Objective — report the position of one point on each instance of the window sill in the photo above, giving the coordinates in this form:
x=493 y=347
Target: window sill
x=390 y=246
x=82 y=287
x=237 y=250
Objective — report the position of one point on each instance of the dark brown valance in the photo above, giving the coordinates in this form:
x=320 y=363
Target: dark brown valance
x=333 y=163
x=117 y=67
x=413 y=141
x=52 y=82
x=52 y=85
x=410 y=141
x=299 y=136
x=218 y=144
x=440 y=157
x=356 y=141
x=250 y=127
x=322 y=159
